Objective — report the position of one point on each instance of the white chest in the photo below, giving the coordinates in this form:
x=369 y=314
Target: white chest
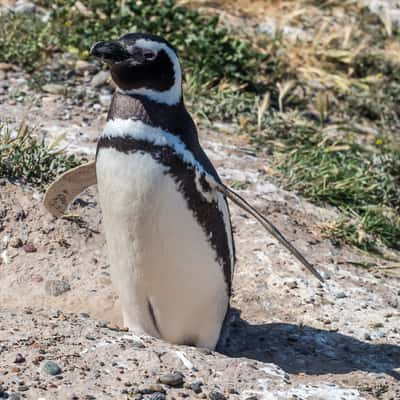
x=158 y=251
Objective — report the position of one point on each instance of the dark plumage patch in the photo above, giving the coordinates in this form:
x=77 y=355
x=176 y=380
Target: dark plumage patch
x=207 y=214
x=157 y=74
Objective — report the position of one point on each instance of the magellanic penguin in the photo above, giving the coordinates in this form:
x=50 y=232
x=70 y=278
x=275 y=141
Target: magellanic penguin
x=166 y=218
x=168 y=231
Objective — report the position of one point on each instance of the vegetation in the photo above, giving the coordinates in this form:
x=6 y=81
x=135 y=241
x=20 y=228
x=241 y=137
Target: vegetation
x=24 y=157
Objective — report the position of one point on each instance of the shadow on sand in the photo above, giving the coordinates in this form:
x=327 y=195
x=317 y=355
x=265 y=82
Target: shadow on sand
x=302 y=349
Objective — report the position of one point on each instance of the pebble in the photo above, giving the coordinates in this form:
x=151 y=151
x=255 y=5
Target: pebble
x=50 y=368
x=30 y=248
x=100 y=79
x=196 y=387
x=14 y=396
x=23 y=7
x=53 y=88
x=157 y=396
x=341 y=295
x=174 y=379
x=19 y=359
x=16 y=242
x=367 y=336
x=3 y=75
x=83 y=66
x=150 y=389
x=56 y=287
x=6 y=67
x=215 y=395
x=105 y=99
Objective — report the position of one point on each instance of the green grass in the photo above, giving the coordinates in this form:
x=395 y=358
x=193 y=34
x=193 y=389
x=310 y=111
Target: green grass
x=328 y=166
x=208 y=52
x=24 y=157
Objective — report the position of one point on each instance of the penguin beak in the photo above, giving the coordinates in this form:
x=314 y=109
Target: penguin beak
x=110 y=52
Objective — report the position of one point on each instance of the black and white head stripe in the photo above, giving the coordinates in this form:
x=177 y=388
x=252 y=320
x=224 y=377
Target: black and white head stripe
x=168 y=70
x=143 y=64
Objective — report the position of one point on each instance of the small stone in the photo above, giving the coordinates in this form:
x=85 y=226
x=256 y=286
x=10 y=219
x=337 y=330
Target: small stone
x=150 y=389
x=19 y=359
x=100 y=79
x=30 y=248
x=23 y=388
x=56 y=287
x=367 y=336
x=215 y=395
x=341 y=295
x=292 y=285
x=174 y=379
x=50 y=368
x=14 y=396
x=23 y=7
x=105 y=99
x=37 y=278
x=196 y=387
x=16 y=242
x=157 y=396
x=15 y=369
x=6 y=67
x=251 y=397
x=83 y=66
x=53 y=88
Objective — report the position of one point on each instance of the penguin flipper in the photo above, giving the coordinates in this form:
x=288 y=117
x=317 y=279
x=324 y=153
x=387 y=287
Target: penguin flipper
x=70 y=184
x=271 y=228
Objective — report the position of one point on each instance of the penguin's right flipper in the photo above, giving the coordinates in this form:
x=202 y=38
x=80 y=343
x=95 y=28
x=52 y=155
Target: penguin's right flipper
x=69 y=185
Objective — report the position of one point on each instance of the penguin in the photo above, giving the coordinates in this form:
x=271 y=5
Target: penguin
x=165 y=212
x=168 y=231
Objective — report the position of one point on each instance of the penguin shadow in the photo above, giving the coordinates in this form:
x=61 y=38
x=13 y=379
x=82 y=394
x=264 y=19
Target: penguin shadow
x=303 y=349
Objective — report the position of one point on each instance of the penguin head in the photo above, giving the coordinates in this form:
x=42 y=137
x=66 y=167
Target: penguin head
x=143 y=64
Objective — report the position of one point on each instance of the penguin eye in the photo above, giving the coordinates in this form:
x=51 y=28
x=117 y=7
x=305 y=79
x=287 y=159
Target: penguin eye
x=149 y=55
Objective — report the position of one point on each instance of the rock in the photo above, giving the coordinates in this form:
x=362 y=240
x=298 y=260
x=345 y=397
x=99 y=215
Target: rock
x=23 y=7
x=56 y=287
x=157 y=396
x=53 y=88
x=30 y=248
x=83 y=66
x=105 y=99
x=174 y=379
x=215 y=395
x=6 y=67
x=100 y=78
x=150 y=389
x=16 y=242
x=292 y=285
x=196 y=387
x=23 y=388
x=14 y=396
x=341 y=295
x=50 y=368
x=19 y=359
x=3 y=75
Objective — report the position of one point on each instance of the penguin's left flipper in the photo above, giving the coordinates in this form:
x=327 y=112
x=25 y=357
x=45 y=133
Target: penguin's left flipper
x=270 y=227
x=69 y=185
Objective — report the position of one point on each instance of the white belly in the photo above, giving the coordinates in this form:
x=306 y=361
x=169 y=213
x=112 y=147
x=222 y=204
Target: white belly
x=158 y=252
